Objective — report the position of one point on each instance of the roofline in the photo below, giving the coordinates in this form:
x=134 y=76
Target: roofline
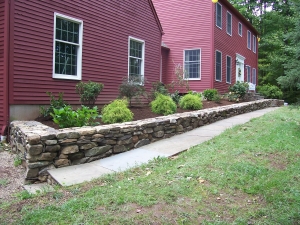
x=156 y=16
x=239 y=15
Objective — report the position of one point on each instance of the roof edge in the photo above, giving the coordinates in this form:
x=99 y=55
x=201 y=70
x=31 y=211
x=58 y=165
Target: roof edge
x=156 y=16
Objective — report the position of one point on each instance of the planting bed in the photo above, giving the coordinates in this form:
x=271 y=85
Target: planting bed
x=44 y=147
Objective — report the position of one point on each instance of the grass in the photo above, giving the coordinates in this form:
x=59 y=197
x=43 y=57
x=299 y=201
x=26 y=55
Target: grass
x=4 y=182
x=247 y=175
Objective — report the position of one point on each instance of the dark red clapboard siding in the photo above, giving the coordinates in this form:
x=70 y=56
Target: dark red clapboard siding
x=106 y=28
x=187 y=25
x=230 y=45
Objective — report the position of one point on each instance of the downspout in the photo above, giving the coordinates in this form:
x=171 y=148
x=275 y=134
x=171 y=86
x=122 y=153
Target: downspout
x=4 y=128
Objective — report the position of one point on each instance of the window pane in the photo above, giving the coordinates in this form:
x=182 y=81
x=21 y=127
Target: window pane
x=219 y=15
x=228 y=69
x=229 y=23
x=65 y=58
x=218 y=65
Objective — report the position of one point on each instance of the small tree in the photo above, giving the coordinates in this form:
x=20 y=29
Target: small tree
x=130 y=88
x=89 y=92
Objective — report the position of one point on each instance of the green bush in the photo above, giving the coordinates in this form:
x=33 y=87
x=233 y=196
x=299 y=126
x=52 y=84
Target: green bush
x=117 y=112
x=217 y=98
x=270 y=91
x=54 y=104
x=190 y=101
x=67 y=117
x=157 y=87
x=209 y=94
x=239 y=89
x=175 y=96
x=88 y=92
x=163 y=104
x=131 y=88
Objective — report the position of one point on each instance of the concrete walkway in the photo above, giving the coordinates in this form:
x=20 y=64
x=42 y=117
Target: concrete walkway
x=71 y=175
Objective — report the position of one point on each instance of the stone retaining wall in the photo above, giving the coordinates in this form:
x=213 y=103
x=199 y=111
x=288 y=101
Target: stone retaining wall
x=44 y=148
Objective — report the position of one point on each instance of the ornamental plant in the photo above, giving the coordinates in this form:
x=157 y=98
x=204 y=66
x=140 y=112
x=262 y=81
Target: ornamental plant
x=163 y=104
x=131 y=88
x=88 y=92
x=116 y=112
x=67 y=117
x=209 y=94
x=54 y=104
x=239 y=90
x=190 y=101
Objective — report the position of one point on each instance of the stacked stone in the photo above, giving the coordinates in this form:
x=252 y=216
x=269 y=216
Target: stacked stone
x=45 y=148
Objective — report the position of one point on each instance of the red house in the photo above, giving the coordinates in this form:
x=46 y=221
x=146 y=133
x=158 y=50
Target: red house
x=49 y=46
x=214 y=43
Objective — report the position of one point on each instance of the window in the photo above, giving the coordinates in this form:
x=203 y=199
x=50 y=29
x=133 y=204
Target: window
x=219 y=15
x=249 y=39
x=192 y=60
x=218 y=66
x=67 y=47
x=240 y=28
x=228 y=69
x=254 y=44
x=254 y=76
x=248 y=74
x=136 y=54
x=229 y=23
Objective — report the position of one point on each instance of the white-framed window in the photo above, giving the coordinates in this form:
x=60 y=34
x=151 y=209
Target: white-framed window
x=249 y=39
x=228 y=69
x=192 y=64
x=240 y=29
x=254 y=76
x=136 y=60
x=254 y=44
x=229 y=23
x=219 y=15
x=218 y=66
x=248 y=69
x=67 y=47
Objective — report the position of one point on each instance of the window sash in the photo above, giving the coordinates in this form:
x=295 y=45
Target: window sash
x=229 y=23
x=219 y=15
x=254 y=76
x=218 y=66
x=192 y=60
x=249 y=40
x=254 y=44
x=248 y=74
x=228 y=69
x=136 y=59
x=240 y=29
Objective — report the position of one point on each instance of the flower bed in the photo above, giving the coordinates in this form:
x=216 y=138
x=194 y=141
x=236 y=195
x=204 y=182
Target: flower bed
x=44 y=148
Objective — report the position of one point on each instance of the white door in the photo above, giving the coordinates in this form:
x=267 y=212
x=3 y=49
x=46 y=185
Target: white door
x=240 y=71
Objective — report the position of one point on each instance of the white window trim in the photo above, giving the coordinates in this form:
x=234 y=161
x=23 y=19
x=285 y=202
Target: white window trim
x=240 y=24
x=254 y=44
x=199 y=64
x=249 y=38
x=143 y=58
x=217 y=15
x=254 y=80
x=79 y=49
x=230 y=69
x=216 y=66
x=230 y=34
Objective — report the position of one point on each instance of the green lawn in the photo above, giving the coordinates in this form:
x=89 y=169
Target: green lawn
x=248 y=175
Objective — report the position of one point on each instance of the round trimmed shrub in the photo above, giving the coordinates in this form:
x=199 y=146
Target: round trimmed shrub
x=163 y=105
x=209 y=94
x=190 y=101
x=116 y=112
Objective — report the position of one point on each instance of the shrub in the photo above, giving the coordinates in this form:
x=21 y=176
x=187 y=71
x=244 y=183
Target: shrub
x=117 y=112
x=239 y=89
x=157 y=87
x=175 y=96
x=131 y=88
x=163 y=105
x=209 y=94
x=217 y=98
x=54 y=104
x=270 y=91
x=88 y=92
x=190 y=101
x=67 y=117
